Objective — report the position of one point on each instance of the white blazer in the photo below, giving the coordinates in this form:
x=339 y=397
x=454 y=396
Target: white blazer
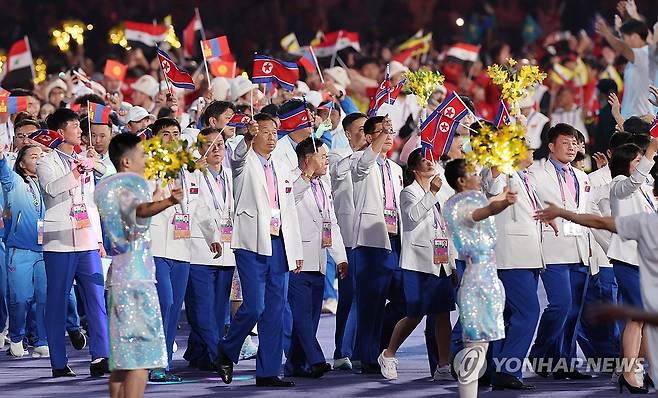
x=253 y=213
x=61 y=190
x=518 y=245
x=420 y=231
x=162 y=229
x=599 y=204
x=286 y=152
x=627 y=198
x=310 y=226
x=207 y=226
x=369 y=224
x=562 y=249
x=340 y=171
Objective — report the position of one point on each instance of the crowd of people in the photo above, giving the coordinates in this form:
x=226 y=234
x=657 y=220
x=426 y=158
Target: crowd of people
x=255 y=240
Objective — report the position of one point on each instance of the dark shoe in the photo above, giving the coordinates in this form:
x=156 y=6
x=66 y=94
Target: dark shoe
x=64 y=372
x=369 y=368
x=575 y=375
x=648 y=382
x=172 y=378
x=78 y=339
x=326 y=367
x=157 y=375
x=224 y=367
x=504 y=381
x=273 y=382
x=99 y=368
x=632 y=389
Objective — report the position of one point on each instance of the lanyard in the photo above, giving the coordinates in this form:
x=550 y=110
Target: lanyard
x=648 y=198
x=531 y=192
x=559 y=181
x=439 y=222
x=390 y=178
x=227 y=192
x=66 y=158
x=36 y=200
x=323 y=209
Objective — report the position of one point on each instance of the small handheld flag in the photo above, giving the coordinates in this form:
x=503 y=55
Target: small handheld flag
x=438 y=130
x=239 y=120
x=214 y=48
x=98 y=114
x=268 y=69
x=502 y=117
x=294 y=120
x=115 y=69
x=385 y=94
x=220 y=68
x=309 y=61
x=173 y=74
x=11 y=105
x=48 y=138
x=654 y=127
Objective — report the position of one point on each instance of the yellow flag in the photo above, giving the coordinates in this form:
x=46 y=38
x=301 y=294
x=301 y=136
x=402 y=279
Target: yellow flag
x=420 y=43
x=317 y=39
x=290 y=44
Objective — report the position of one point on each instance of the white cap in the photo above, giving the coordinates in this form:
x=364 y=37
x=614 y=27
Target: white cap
x=220 y=87
x=385 y=109
x=528 y=100
x=57 y=83
x=147 y=84
x=303 y=87
x=396 y=67
x=339 y=75
x=314 y=98
x=240 y=86
x=137 y=113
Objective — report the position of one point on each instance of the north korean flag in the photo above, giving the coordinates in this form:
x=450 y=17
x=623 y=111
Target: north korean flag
x=438 y=130
x=46 y=137
x=239 y=120
x=294 y=120
x=502 y=117
x=267 y=69
x=654 y=128
x=176 y=76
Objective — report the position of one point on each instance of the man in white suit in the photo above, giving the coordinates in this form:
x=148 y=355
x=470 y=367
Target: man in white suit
x=519 y=260
x=320 y=234
x=566 y=255
x=267 y=245
x=377 y=185
x=72 y=243
x=211 y=274
x=340 y=171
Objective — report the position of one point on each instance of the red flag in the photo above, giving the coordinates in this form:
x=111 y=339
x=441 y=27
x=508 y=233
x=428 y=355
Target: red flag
x=502 y=117
x=216 y=47
x=221 y=68
x=115 y=69
x=98 y=114
x=336 y=41
x=438 y=130
x=267 y=69
x=46 y=137
x=177 y=77
x=654 y=128
x=190 y=37
x=145 y=33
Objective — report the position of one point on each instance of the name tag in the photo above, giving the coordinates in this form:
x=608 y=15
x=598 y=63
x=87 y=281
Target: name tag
x=79 y=213
x=391 y=219
x=572 y=229
x=40 y=232
x=326 y=234
x=194 y=191
x=226 y=228
x=181 y=226
x=275 y=222
x=440 y=251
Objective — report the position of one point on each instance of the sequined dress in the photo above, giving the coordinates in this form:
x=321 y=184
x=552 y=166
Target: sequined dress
x=481 y=296
x=136 y=334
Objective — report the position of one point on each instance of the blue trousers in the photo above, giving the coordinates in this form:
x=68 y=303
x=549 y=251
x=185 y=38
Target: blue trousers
x=378 y=279
x=345 y=335
x=264 y=294
x=330 y=277
x=171 y=277
x=208 y=292
x=305 y=292
x=521 y=316
x=85 y=267
x=565 y=286
x=26 y=281
x=72 y=316
x=600 y=340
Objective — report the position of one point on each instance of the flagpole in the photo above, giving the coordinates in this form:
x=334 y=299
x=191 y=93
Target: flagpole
x=308 y=115
x=388 y=78
x=213 y=141
x=198 y=15
x=333 y=56
x=251 y=100
x=317 y=64
x=205 y=63
x=27 y=44
x=89 y=122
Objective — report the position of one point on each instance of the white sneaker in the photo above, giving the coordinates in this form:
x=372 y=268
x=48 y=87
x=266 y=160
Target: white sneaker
x=41 y=352
x=249 y=349
x=16 y=349
x=330 y=306
x=442 y=373
x=175 y=347
x=342 y=364
x=389 y=366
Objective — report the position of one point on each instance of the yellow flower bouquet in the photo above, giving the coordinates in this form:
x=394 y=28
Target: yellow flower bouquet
x=165 y=161
x=503 y=148
x=514 y=81
x=422 y=84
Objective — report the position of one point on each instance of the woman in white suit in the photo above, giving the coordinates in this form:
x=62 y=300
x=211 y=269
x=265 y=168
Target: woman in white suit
x=426 y=273
x=630 y=194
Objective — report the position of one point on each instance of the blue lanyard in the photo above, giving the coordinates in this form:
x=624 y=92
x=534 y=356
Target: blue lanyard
x=648 y=198
x=36 y=200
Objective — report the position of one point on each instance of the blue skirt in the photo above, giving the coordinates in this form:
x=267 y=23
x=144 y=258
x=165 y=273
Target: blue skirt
x=427 y=294
x=628 y=280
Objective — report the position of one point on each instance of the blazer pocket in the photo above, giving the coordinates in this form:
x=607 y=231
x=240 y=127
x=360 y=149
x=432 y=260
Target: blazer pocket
x=421 y=243
x=251 y=213
x=517 y=230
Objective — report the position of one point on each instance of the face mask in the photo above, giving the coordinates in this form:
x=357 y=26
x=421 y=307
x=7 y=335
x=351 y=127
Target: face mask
x=466 y=144
x=322 y=128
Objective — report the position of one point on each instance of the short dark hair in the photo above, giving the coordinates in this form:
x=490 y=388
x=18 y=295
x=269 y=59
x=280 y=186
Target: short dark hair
x=635 y=26
x=84 y=124
x=622 y=158
x=579 y=157
x=618 y=139
x=351 y=118
x=636 y=125
x=215 y=109
x=369 y=126
x=26 y=122
x=290 y=105
x=454 y=170
x=22 y=116
x=305 y=147
x=468 y=102
x=120 y=145
x=83 y=99
x=60 y=117
x=580 y=137
x=206 y=131
x=271 y=109
x=606 y=86
x=262 y=117
x=22 y=92
x=641 y=140
x=561 y=129
x=363 y=61
x=164 y=123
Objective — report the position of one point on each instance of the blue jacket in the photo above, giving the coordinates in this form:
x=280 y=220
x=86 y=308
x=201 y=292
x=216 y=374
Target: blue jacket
x=21 y=230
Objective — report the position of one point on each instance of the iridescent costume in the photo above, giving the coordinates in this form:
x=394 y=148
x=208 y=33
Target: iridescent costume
x=481 y=295
x=136 y=335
